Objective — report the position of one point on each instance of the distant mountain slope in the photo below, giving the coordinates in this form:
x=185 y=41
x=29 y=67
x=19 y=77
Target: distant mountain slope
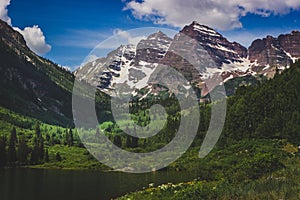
x=129 y=64
x=271 y=52
x=198 y=52
x=32 y=85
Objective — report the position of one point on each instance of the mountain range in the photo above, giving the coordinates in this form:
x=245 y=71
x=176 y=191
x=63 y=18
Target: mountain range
x=37 y=87
x=199 y=52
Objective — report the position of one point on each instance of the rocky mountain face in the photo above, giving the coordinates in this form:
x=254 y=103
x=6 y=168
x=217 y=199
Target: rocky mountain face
x=12 y=38
x=290 y=44
x=278 y=52
x=128 y=65
x=198 y=52
x=219 y=48
x=154 y=48
x=31 y=85
x=270 y=52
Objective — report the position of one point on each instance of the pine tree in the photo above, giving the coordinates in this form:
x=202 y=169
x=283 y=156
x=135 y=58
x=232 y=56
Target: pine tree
x=39 y=143
x=46 y=156
x=128 y=141
x=67 y=137
x=118 y=140
x=23 y=150
x=71 y=138
x=202 y=124
x=38 y=130
x=41 y=151
x=97 y=135
x=3 y=153
x=135 y=142
x=34 y=157
x=53 y=140
x=48 y=138
x=145 y=142
x=12 y=153
x=58 y=157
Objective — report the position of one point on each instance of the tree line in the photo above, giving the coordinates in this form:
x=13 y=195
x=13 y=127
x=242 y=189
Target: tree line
x=18 y=149
x=270 y=110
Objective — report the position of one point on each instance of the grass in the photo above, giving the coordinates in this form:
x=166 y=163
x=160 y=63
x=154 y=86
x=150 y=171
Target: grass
x=73 y=158
x=231 y=175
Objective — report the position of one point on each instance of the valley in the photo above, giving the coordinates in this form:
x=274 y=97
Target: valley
x=256 y=157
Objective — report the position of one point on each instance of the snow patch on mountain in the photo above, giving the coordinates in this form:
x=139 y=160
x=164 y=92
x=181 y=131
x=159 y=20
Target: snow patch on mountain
x=205 y=30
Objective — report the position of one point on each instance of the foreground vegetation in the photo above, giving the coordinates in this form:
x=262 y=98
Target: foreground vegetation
x=249 y=169
x=283 y=184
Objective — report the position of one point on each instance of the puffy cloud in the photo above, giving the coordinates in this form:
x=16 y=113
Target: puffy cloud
x=218 y=14
x=4 y=12
x=33 y=36
x=127 y=38
x=35 y=39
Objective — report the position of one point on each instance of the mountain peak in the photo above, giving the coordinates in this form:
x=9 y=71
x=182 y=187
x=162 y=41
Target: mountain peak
x=160 y=32
x=196 y=23
x=11 y=36
x=218 y=47
x=157 y=36
x=295 y=32
x=153 y=48
x=202 y=29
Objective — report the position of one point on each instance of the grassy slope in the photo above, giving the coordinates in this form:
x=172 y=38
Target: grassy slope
x=228 y=174
x=72 y=157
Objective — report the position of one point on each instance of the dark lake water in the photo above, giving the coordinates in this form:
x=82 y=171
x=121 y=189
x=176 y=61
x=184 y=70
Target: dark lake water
x=35 y=184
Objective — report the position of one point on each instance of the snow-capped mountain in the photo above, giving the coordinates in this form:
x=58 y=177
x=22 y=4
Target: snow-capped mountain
x=198 y=52
x=208 y=52
x=129 y=64
x=219 y=48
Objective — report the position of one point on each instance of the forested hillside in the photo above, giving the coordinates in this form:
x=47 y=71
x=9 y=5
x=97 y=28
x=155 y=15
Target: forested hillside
x=268 y=110
x=257 y=156
x=30 y=84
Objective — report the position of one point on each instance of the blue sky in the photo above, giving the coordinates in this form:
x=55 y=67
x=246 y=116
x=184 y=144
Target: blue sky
x=74 y=28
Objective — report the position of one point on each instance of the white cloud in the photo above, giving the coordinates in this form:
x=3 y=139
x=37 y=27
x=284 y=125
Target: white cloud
x=33 y=36
x=4 y=12
x=35 y=39
x=218 y=14
x=125 y=37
